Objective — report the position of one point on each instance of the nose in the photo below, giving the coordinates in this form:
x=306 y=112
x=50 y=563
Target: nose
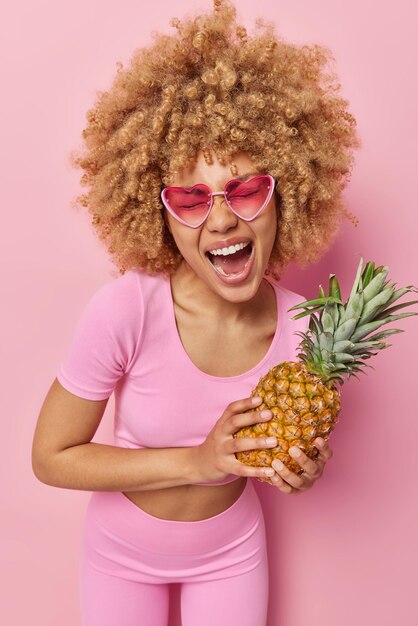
x=221 y=218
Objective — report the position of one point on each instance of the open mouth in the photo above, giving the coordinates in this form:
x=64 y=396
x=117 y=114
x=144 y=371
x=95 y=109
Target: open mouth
x=231 y=264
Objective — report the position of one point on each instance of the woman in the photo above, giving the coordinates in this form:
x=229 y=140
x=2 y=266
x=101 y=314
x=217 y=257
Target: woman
x=213 y=161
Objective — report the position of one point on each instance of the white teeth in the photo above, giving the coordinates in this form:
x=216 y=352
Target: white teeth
x=220 y=270
x=230 y=250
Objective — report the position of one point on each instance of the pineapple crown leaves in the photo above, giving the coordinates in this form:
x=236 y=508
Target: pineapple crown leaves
x=339 y=334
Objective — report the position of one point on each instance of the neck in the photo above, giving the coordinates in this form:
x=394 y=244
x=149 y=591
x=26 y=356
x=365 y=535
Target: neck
x=195 y=296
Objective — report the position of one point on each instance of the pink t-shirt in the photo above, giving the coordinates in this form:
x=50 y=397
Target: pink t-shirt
x=126 y=341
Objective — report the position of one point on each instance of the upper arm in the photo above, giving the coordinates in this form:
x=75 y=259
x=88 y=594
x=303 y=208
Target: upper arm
x=102 y=349
x=65 y=420
x=104 y=342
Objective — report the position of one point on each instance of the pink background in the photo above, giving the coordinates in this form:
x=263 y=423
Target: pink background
x=343 y=553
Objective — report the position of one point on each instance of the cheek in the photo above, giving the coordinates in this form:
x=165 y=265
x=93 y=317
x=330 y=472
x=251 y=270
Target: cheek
x=272 y=238
x=186 y=242
x=169 y=222
x=270 y=230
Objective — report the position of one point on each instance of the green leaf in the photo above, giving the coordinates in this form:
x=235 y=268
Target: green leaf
x=385 y=333
x=345 y=330
x=375 y=286
x=371 y=307
x=400 y=292
x=334 y=287
x=363 y=349
x=368 y=273
x=360 y=364
x=325 y=356
x=365 y=345
x=327 y=321
x=335 y=314
x=394 y=308
x=343 y=358
x=366 y=329
x=354 y=307
x=392 y=318
x=338 y=366
x=340 y=346
x=315 y=339
x=315 y=325
x=326 y=341
x=371 y=326
x=316 y=302
x=304 y=313
x=357 y=279
x=336 y=377
x=317 y=352
x=305 y=346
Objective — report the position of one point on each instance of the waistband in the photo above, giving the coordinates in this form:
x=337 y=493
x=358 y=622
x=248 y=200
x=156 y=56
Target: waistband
x=116 y=513
x=121 y=540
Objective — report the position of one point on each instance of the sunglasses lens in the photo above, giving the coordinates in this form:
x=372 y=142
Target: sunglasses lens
x=190 y=205
x=247 y=198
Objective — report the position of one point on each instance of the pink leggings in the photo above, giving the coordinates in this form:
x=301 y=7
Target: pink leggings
x=129 y=558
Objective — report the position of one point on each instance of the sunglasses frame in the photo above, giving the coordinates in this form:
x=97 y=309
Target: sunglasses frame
x=220 y=193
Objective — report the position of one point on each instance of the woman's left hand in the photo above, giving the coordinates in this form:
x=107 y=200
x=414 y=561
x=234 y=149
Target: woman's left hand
x=294 y=484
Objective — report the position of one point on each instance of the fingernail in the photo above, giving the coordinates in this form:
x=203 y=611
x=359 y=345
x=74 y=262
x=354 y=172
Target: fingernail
x=265 y=414
x=278 y=464
x=271 y=441
x=256 y=400
x=320 y=442
x=295 y=452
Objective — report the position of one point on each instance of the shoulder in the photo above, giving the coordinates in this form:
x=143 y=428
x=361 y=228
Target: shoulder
x=122 y=305
x=125 y=295
x=113 y=312
x=107 y=337
x=119 y=291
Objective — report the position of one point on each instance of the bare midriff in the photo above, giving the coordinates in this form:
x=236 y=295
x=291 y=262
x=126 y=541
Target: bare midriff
x=188 y=502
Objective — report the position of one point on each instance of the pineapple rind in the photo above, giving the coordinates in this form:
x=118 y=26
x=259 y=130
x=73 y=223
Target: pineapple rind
x=303 y=408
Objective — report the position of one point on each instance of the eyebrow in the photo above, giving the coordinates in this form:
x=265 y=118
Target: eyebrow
x=246 y=175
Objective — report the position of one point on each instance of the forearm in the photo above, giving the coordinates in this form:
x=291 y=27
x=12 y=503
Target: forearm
x=100 y=467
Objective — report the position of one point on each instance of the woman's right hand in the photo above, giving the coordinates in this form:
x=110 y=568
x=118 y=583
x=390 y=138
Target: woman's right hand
x=215 y=457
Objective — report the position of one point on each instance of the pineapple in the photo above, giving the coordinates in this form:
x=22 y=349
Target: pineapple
x=303 y=395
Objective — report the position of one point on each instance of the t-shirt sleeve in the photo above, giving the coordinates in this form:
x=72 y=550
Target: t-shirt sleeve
x=104 y=341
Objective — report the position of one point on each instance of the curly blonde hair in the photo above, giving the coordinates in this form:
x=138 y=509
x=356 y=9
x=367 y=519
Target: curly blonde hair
x=211 y=87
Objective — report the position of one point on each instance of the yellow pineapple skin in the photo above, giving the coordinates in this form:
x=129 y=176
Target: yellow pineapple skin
x=303 y=408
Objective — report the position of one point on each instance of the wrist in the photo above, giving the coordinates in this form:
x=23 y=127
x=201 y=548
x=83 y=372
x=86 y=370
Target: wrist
x=195 y=474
